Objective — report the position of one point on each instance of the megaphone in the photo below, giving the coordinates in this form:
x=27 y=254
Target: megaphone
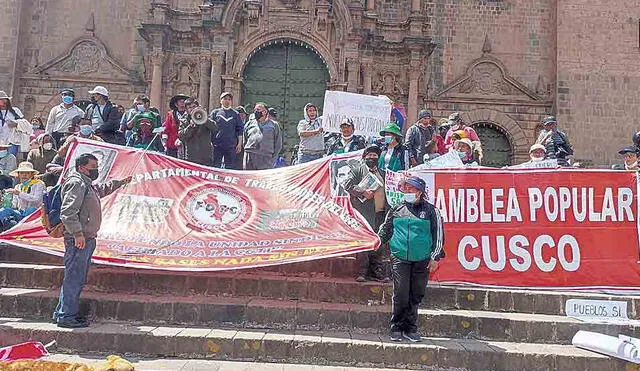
x=199 y=116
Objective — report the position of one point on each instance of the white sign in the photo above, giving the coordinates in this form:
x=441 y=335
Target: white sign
x=369 y=114
x=544 y=164
x=598 y=311
x=449 y=160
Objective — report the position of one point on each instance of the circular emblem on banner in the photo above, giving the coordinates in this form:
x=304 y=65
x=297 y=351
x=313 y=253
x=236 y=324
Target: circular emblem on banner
x=216 y=208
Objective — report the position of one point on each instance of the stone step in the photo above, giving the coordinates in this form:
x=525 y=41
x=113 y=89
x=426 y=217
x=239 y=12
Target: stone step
x=345 y=266
x=291 y=315
x=173 y=364
x=318 y=348
x=317 y=289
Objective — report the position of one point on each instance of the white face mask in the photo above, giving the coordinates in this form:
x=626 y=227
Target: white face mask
x=536 y=159
x=47 y=146
x=347 y=137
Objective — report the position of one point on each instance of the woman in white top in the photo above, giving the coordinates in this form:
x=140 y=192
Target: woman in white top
x=13 y=129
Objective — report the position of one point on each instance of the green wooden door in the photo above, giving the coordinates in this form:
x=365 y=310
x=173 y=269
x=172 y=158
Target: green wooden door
x=286 y=76
x=496 y=147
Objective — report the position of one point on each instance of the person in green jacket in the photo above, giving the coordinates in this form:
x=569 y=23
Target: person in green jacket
x=415 y=233
x=394 y=156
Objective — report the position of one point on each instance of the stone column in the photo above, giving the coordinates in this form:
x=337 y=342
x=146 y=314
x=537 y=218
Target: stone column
x=366 y=78
x=415 y=6
x=412 y=109
x=205 y=75
x=216 y=80
x=353 y=75
x=371 y=6
x=157 y=59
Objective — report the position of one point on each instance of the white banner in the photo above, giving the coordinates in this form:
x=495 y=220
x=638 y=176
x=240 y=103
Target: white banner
x=599 y=311
x=369 y=114
x=544 y=164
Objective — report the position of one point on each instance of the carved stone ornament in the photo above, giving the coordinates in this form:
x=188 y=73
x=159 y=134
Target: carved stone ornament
x=387 y=83
x=87 y=58
x=486 y=78
x=253 y=11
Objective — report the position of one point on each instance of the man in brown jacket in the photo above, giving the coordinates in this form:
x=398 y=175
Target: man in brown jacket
x=81 y=215
x=196 y=139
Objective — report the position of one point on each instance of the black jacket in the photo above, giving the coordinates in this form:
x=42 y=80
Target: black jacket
x=108 y=131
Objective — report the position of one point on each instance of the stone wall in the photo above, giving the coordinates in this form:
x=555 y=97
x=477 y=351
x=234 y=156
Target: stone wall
x=598 y=76
x=8 y=42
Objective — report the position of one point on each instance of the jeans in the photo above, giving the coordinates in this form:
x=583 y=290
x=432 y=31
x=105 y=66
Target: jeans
x=76 y=268
x=307 y=157
x=409 y=287
x=228 y=154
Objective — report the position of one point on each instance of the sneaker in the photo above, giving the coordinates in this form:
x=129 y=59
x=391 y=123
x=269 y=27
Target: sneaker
x=413 y=337
x=396 y=336
x=361 y=278
x=72 y=323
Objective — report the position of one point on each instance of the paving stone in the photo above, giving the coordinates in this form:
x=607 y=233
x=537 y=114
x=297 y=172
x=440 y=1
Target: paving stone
x=247 y=345
x=219 y=344
x=193 y=342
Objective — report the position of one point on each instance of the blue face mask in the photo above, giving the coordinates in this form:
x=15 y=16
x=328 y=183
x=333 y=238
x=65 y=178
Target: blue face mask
x=462 y=154
x=140 y=108
x=67 y=99
x=388 y=139
x=410 y=198
x=86 y=130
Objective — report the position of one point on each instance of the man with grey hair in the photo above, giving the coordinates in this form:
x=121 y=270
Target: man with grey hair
x=262 y=140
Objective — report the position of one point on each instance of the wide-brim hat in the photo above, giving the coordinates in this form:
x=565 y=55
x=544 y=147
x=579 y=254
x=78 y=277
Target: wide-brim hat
x=628 y=149
x=24 y=167
x=175 y=99
x=536 y=147
x=391 y=128
x=146 y=116
x=3 y=95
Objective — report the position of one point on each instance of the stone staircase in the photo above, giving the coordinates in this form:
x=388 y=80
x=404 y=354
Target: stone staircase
x=310 y=313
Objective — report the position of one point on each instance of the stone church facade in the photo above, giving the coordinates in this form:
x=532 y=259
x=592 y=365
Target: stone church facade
x=503 y=63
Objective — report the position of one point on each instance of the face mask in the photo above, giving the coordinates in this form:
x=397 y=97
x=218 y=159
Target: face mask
x=371 y=162
x=36 y=127
x=47 y=146
x=4 y=153
x=410 y=198
x=93 y=174
x=462 y=154
x=67 y=99
x=537 y=159
x=94 y=100
x=140 y=108
x=86 y=130
x=257 y=114
x=388 y=139
x=347 y=137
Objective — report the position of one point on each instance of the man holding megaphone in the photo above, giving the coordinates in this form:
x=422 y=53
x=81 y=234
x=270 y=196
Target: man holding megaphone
x=195 y=134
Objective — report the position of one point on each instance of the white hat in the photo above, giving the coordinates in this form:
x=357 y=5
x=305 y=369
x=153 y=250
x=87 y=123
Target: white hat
x=100 y=90
x=4 y=95
x=537 y=146
x=24 y=167
x=466 y=141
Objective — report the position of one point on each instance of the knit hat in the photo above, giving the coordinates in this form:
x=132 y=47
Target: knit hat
x=417 y=183
x=391 y=128
x=372 y=149
x=423 y=114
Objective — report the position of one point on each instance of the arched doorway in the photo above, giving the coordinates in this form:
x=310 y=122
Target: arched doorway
x=496 y=146
x=286 y=75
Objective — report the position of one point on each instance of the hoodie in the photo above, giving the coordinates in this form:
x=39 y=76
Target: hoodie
x=314 y=143
x=39 y=157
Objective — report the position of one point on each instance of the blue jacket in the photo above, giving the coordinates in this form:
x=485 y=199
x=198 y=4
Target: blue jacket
x=230 y=127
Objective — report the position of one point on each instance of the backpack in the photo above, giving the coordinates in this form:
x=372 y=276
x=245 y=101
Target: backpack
x=51 y=207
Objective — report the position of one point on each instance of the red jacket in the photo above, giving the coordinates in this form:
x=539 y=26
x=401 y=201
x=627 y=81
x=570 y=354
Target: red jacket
x=171 y=126
x=439 y=144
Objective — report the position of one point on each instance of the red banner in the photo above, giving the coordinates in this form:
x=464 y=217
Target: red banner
x=538 y=228
x=177 y=215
